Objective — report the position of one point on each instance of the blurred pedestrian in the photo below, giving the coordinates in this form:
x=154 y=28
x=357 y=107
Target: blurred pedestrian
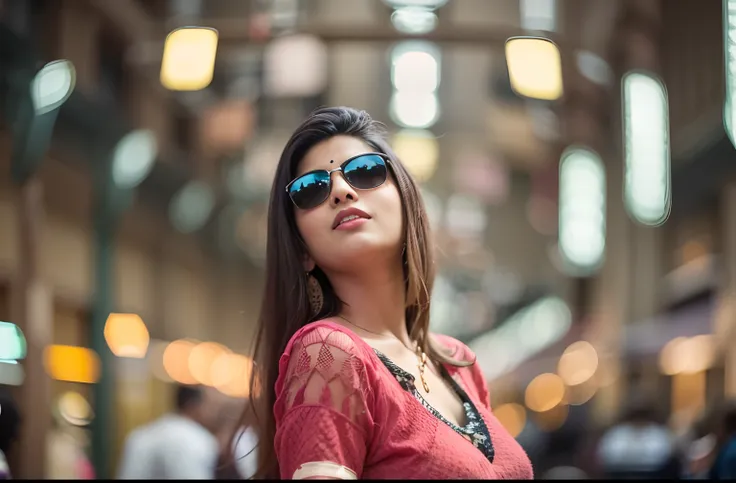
x=639 y=446
x=9 y=430
x=699 y=445
x=176 y=446
x=238 y=441
x=724 y=467
x=66 y=451
x=245 y=445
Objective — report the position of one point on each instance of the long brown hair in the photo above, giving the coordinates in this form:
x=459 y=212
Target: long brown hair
x=285 y=307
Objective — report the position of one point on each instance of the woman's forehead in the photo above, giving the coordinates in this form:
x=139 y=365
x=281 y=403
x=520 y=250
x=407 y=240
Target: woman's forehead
x=331 y=153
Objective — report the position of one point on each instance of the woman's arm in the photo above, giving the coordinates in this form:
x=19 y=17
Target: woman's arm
x=323 y=410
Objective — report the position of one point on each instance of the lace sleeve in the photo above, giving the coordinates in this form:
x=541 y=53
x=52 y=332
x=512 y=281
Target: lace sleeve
x=323 y=416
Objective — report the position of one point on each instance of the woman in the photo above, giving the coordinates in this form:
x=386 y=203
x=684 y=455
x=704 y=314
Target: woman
x=354 y=385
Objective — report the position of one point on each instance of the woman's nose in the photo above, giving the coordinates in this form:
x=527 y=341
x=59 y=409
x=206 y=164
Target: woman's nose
x=341 y=190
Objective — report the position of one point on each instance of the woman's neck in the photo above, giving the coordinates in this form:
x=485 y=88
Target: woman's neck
x=374 y=300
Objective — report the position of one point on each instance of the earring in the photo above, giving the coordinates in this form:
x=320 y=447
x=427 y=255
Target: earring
x=314 y=291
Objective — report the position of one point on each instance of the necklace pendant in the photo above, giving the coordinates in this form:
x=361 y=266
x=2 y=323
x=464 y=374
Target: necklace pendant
x=422 y=367
x=424 y=384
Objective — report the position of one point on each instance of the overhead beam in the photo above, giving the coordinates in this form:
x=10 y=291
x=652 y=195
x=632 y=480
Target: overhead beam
x=236 y=31
x=137 y=25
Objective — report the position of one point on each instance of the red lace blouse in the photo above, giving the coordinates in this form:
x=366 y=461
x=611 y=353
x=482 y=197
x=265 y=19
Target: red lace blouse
x=338 y=403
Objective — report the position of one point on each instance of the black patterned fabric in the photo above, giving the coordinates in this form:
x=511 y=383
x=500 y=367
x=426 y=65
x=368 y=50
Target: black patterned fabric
x=475 y=429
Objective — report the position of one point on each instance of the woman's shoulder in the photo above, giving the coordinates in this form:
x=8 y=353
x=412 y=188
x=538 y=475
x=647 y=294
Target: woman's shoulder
x=330 y=351
x=327 y=330
x=327 y=339
x=454 y=348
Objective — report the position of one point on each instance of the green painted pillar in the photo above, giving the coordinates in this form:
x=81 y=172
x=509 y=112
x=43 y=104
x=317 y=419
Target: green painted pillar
x=105 y=221
x=110 y=203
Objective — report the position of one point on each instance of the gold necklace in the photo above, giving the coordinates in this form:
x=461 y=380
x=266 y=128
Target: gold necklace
x=421 y=355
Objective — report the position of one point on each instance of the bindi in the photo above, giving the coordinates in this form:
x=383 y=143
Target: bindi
x=332 y=161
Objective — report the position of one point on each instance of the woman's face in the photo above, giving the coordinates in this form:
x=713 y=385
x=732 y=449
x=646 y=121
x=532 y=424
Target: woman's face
x=378 y=233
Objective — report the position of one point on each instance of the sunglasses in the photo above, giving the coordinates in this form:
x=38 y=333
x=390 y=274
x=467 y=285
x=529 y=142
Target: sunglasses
x=362 y=172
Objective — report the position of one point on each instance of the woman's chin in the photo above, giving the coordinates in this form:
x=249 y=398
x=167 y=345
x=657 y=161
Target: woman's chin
x=360 y=253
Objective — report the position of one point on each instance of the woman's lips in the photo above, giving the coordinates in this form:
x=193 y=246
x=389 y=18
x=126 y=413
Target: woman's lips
x=351 y=224
x=349 y=213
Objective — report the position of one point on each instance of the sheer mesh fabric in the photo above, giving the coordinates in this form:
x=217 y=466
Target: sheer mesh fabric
x=324 y=370
x=321 y=410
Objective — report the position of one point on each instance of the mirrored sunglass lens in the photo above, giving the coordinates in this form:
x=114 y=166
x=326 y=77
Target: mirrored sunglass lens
x=366 y=172
x=310 y=190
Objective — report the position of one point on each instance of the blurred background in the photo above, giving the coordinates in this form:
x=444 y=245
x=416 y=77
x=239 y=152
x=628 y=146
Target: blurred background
x=582 y=195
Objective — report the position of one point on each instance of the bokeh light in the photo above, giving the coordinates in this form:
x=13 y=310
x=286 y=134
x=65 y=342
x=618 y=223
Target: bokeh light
x=544 y=392
x=126 y=335
x=74 y=408
x=578 y=363
x=552 y=419
x=12 y=342
x=535 y=67
x=72 y=364
x=512 y=416
x=53 y=85
x=176 y=361
x=201 y=359
x=231 y=375
x=419 y=151
x=647 y=179
x=189 y=58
